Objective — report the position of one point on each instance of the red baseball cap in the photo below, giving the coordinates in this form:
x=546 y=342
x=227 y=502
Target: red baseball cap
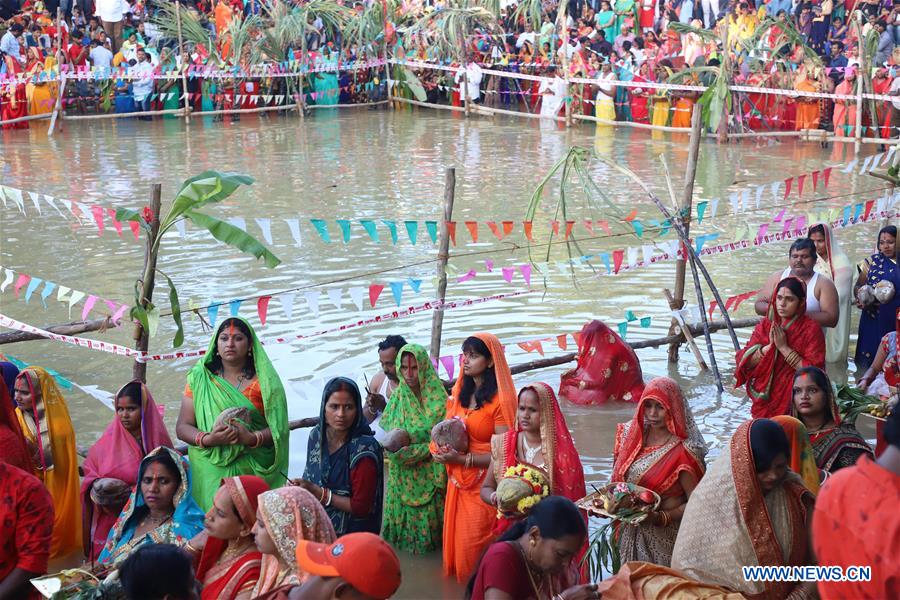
x=363 y=560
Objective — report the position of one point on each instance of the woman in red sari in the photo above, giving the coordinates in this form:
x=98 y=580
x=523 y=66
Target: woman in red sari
x=137 y=429
x=541 y=440
x=13 y=98
x=13 y=449
x=660 y=449
x=640 y=97
x=608 y=369
x=782 y=342
x=230 y=563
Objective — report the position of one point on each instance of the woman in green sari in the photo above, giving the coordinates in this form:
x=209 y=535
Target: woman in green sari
x=170 y=90
x=606 y=20
x=414 y=496
x=251 y=438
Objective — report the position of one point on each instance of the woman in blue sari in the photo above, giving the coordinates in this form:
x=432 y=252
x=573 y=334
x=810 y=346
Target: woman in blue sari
x=878 y=319
x=160 y=509
x=325 y=83
x=344 y=464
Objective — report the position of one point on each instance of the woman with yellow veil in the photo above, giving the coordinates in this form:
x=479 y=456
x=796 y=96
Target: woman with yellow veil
x=44 y=418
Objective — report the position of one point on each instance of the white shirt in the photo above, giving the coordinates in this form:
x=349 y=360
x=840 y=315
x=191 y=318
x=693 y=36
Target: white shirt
x=111 y=11
x=473 y=80
x=526 y=36
x=101 y=57
x=812 y=303
x=552 y=102
x=142 y=84
x=895 y=87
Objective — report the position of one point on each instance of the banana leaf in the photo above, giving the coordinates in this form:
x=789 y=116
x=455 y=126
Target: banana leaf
x=413 y=84
x=233 y=236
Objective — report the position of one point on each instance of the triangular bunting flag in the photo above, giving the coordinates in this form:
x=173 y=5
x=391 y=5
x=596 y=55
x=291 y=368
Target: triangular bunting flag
x=528 y=228
x=322 y=228
x=374 y=292
x=344 y=224
x=294 y=226
x=392 y=227
x=431 y=228
x=265 y=225
x=234 y=307
x=312 y=300
x=356 y=296
x=371 y=229
x=262 y=308
x=494 y=229
x=397 y=291
x=412 y=230
x=472 y=226
x=334 y=296
x=451 y=231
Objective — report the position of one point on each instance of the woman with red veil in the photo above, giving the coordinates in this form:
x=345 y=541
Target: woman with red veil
x=607 y=370
x=13 y=98
x=660 y=449
x=13 y=449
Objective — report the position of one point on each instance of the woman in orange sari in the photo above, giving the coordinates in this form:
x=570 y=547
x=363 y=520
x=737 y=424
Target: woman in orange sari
x=484 y=398
x=660 y=449
x=230 y=563
x=44 y=419
x=807 y=112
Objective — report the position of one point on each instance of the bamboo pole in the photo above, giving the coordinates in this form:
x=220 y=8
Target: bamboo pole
x=148 y=281
x=562 y=22
x=437 y=318
x=859 y=85
x=73 y=328
x=62 y=77
x=677 y=302
x=184 y=89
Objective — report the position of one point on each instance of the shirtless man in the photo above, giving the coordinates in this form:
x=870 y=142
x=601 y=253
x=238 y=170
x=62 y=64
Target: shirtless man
x=383 y=384
x=822 y=304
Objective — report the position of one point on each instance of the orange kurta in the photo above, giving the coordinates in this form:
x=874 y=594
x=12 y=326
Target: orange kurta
x=807 y=116
x=61 y=475
x=681 y=116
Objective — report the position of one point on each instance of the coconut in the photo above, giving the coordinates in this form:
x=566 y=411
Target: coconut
x=229 y=416
x=884 y=291
x=110 y=492
x=396 y=439
x=451 y=433
x=866 y=295
x=510 y=490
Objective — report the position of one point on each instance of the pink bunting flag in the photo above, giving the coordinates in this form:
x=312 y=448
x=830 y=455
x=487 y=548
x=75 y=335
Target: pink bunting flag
x=826 y=175
x=604 y=225
x=762 y=231
x=526 y=273
x=135 y=229
x=815 y=179
x=618 y=257
x=780 y=216
x=119 y=313
x=262 y=308
x=117 y=224
x=800 y=180
x=787 y=224
x=489 y=265
x=589 y=226
x=98 y=219
x=88 y=305
x=470 y=275
x=787 y=186
x=508 y=273
x=449 y=365
x=21 y=281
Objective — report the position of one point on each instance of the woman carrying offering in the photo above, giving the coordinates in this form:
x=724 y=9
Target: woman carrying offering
x=533 y=560
x=111 y=466
x=344 y=464
x=160 y=510
x=234 y=413
x=230 y=562
x=607 y=369
x=835 y=444
x=541 y=440
x=284 y=517
x=416 y=485
x=660 y=449
x=44 y=420
x=781 y=343
x=484 y=399
x=878 y=318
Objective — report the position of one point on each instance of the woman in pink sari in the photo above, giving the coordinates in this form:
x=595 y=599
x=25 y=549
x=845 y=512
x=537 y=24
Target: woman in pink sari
x=608 y=369
x=137 y=429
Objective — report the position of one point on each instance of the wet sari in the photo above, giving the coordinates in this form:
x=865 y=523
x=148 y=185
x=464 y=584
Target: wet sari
x=468 y=521
x=224 y=574
x=212 y=395
x=186 y=521
x=838 y=268
x=47 y=427
x=607 y=369
x=118 y=455
x=13 y=449
x=770 y=383
x=416 y=485
x=657 y=467
x=730 y=523
x=802 y=461
x=335 y=470
x=290 y=514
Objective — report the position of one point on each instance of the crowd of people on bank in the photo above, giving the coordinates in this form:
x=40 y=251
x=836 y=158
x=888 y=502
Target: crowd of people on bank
x=796 y=47
x=408 y=465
